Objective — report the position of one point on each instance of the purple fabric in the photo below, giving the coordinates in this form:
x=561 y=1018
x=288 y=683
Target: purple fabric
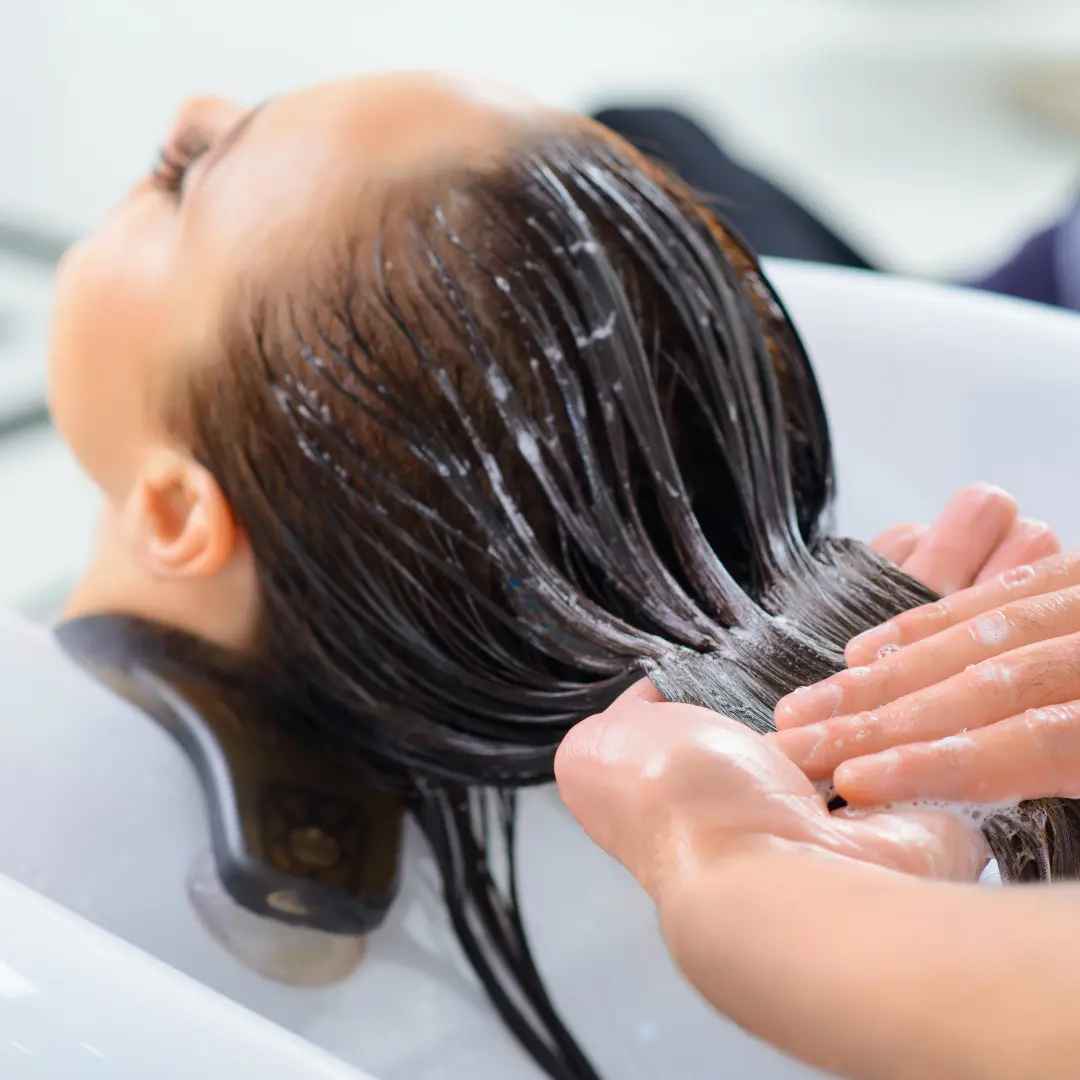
x=1032 y=273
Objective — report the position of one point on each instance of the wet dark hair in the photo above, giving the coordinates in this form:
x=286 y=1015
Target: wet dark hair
x=546 y=427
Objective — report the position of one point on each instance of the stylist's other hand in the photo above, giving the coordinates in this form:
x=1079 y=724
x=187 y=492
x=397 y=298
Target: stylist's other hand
x=975 y=697
x=978 y=535
x=671 y=790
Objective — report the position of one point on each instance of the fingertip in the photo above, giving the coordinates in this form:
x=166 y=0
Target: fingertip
x=956 y=547
x=856 y=654
x=644 y=691
x=575 y=744
x=583 y=741
x=800 y=746
x=599 y=739
x=863 y=782
x=872 y=644
x=1028 y=541
x=808 y=705
x=786 y=713
x=581 y=746
x=579 y=771
x=1040 y=540
x=984 y=492
x=897 y=543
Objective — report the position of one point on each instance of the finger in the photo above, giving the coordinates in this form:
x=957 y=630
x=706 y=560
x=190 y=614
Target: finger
x=1037 y=676
x=1027 y=541
x=934 y=659
x=644 y=690
x=897 y=543
x=630 y=774
x=950 y=554
x=583 y=773
x=603 y=766
x=1047 y=575
x=1033 y=755
x=923 y=843
x=596 y=736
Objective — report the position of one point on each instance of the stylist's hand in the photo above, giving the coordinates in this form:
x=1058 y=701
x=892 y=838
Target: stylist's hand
x=978 y=535
x=670 y=790
x=980 y=699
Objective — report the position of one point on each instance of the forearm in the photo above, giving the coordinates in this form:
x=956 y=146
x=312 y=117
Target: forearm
x=879 y=976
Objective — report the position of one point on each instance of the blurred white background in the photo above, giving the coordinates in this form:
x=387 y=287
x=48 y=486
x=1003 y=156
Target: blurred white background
x=896 y=118
x=931 y=134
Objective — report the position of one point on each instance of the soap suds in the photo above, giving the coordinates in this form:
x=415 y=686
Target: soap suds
x=974 y=814
x=990 y=629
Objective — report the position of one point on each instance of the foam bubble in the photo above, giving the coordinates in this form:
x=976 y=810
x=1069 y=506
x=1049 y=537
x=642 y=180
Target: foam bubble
x=1019 y=575
x=990 y=629
x=970 y=813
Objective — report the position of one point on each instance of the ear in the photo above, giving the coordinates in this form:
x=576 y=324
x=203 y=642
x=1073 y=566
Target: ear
x=176 y=522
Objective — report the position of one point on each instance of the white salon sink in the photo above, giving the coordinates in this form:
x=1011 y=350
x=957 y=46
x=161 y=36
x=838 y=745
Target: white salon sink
x=80 y=1003
x=928 y=388
x=107 y=820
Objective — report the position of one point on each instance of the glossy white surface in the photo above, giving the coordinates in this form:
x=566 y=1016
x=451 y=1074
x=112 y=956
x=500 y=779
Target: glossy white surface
x=79 y=1004
x=106 y=819
x=928 y=388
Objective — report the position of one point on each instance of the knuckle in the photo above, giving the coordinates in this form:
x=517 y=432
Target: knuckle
x=1051 y=673
x=992 y=628
x=1052 y=734
x=1018 y=576
x=936 y=615
x=863 y=727
x=1063 y=565
x=954 y=751
x=858 y=683
x=1040 y=615
x=1044 y=726
x=992 y=679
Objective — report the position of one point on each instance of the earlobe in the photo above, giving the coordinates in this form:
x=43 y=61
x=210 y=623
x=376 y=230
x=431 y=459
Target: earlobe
x=179 y=522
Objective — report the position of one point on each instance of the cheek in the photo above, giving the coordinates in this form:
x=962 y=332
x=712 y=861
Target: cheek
x=105 y=307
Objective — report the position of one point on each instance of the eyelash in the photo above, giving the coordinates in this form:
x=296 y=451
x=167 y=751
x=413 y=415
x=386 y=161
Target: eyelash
x=174 y=161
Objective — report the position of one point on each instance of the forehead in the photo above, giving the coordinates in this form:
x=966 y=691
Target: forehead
x=403 y=121
x=308 y=177
x=304 y=148
x=305 y=167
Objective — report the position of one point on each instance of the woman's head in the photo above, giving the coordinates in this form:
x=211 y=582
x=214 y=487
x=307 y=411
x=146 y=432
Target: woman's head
x=453 y=406
x=245 y=206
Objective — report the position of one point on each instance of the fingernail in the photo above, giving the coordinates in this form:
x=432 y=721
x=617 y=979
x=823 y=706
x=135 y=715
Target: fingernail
x=870 y=643
x=809 y=704
x=992 y=489
x=1033 y=527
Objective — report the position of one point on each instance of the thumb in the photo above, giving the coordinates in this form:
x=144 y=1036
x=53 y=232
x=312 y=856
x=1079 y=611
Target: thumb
x=598 y=771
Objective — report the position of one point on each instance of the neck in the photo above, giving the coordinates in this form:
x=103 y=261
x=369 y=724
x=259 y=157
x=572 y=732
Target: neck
x=218 y=609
